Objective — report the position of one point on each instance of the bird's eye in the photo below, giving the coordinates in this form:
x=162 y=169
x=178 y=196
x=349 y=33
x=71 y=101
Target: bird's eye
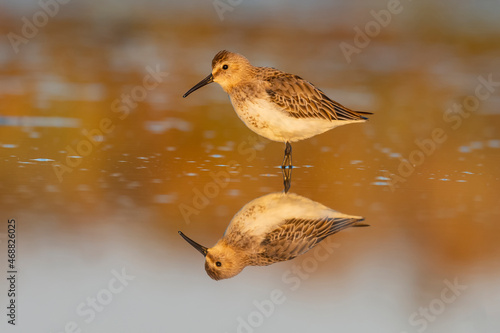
x=225 y=67
x=218 y=264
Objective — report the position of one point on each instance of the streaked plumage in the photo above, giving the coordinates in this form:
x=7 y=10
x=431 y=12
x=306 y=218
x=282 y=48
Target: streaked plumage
x=273 y=228
x=279 y=106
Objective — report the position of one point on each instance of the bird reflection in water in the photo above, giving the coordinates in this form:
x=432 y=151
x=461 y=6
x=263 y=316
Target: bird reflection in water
x=275 y=227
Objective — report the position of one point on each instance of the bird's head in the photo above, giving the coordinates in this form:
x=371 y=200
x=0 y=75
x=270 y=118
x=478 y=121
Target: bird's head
x=228 y=70
x=221 y=261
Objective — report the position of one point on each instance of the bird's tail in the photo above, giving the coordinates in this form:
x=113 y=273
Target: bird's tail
x=360 y=113
x=359 y=223
x=344 y=223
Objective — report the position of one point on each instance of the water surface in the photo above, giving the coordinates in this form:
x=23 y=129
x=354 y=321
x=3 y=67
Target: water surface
x=101 y=170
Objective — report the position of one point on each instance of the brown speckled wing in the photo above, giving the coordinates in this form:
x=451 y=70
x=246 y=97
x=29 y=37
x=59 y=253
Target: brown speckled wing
x=297 y=236
x=301 y=99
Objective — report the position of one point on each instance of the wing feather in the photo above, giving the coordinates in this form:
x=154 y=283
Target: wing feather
x=301 y=99
x=297 y=236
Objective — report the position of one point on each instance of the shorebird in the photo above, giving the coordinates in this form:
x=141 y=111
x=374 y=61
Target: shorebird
x=273 y=228
x=279 y=106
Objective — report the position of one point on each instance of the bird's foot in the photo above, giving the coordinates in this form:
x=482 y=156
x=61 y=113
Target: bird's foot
x=287 y=178
x=287 y=160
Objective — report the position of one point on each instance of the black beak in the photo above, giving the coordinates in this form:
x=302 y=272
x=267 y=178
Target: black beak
x=200 y=248
x=209 y=79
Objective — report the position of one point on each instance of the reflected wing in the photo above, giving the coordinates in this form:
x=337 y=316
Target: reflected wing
x=301 y=99
x=297 y=236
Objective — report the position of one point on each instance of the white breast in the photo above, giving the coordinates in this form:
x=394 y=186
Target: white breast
x=267 y=119
x=262 y=215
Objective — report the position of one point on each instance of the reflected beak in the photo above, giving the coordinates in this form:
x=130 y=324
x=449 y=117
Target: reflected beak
x=209 y=79
x=200 y=248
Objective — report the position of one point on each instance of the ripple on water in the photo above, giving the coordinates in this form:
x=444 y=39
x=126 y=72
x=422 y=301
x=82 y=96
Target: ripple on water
x=494 y=143
x=51 y=188
x=209 y=134
x=234 y=192
x=268 y=175
x=464 y=149
x=477 y=145
x=381 y=181
x=165 y=198
x=133 y=185
x=27 y=121
x=387 y=151
x=161 y=126
x=9 y=145
x=83 y=187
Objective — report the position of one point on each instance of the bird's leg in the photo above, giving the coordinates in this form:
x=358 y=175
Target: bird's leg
x=287 y=160
x=287 y=178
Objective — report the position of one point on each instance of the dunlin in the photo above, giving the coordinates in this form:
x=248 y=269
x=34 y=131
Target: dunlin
x=273 y=228
x=279 y=106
